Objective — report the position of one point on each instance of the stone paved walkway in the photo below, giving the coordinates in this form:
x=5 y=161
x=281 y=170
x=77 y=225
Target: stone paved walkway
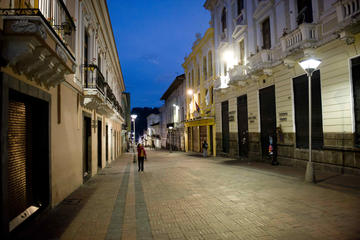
x=182 y=196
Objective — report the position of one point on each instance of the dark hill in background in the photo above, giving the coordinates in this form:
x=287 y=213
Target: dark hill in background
x=141 y=122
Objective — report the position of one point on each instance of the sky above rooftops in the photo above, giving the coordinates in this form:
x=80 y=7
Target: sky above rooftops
x=152 y=38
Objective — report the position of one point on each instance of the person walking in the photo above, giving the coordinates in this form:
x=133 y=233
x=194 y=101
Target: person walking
x=141 y=156
x=205 y=147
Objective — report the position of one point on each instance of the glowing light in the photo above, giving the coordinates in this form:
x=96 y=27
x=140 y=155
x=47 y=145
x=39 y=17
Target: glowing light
x=310 y=65
x=190 y=92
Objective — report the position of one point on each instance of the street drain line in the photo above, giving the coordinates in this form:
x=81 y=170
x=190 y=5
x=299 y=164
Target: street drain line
x=143 y=229
x=117 y=217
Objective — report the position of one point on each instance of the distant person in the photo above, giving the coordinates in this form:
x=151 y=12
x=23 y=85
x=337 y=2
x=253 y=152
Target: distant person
x=205 y=147
x=141 y=156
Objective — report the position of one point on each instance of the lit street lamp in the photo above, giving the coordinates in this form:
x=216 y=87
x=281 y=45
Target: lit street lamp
x=309 y=66
x=133 y=117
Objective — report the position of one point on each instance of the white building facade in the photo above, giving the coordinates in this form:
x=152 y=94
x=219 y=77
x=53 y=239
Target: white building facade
x=173 y=114
x=261 y=94
x=153 y=131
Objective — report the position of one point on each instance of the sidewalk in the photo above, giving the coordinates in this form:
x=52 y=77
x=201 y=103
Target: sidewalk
x=185 y=196
x=341 y=182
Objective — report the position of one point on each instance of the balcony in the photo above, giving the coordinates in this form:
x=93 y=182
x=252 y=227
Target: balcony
x=240 y=25
x=238 y=75
x=264 y=60
x=95 y=89
x=348 y=14
x=305 y=36
x=223 y=38
x=38 y=46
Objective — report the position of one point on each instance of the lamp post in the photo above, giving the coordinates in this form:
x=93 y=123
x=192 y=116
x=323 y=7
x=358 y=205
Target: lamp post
x=133 y=117
x=170 y=131
x=310 y=65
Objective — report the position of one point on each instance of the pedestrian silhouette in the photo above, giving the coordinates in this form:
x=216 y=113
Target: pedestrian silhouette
x=141 y=156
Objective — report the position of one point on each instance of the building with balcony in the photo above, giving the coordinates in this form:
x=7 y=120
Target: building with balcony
x=173 y=115
x=153 y=139
x=61 y=90
x=261 y=90
x=200 y=82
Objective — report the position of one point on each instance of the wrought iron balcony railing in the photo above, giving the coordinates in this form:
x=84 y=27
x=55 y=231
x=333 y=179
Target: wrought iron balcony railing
x=94 y=78
x=53 y=13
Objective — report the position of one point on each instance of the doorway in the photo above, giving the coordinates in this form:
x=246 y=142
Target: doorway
x=87 y=149
x=107 y=144
x=267 y=119
x=243 y=135
x=225 y=126
x=28 y=175
x=99 y=144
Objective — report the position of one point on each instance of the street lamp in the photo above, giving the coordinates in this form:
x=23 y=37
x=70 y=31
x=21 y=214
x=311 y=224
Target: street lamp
x=309 y=65
x=170 y=128
x=190 y=92
x=133 y=117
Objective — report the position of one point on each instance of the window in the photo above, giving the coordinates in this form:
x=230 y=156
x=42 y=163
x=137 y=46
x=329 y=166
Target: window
x=301 y=100
x=207 y=97
x=189 y=79
x=225 y=69
x=192 y=78
x=210 y=64
x=240 y=6
x=223 y=20
x=242 y=52
x=204 y=67
x=266 y=34
x=211 y=95
x=304 y=12
x=99 y=61
x=198 y=75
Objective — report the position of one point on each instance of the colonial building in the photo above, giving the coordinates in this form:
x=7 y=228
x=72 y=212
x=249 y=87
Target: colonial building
x=126 y=129
x=262 y=91
x=153 y=130
x=200 y=78
x=173 y=115
x=61 y=113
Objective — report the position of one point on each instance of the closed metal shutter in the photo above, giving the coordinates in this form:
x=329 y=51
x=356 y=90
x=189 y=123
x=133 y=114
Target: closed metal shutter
x=20 y=190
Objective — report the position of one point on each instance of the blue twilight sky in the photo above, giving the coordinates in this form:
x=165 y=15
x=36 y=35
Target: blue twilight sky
x=152 y=37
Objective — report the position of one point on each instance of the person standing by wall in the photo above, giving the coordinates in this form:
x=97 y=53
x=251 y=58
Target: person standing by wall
x=141 y=157
x=205 y=147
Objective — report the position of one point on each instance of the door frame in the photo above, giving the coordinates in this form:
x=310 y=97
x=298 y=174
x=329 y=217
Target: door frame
x=6 y=83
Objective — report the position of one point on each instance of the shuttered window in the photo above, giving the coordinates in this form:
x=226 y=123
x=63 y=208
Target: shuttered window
x=355 y=65
x=301 y=100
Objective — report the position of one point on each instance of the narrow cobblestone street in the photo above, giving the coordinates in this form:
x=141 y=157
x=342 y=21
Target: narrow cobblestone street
x=183 y=196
